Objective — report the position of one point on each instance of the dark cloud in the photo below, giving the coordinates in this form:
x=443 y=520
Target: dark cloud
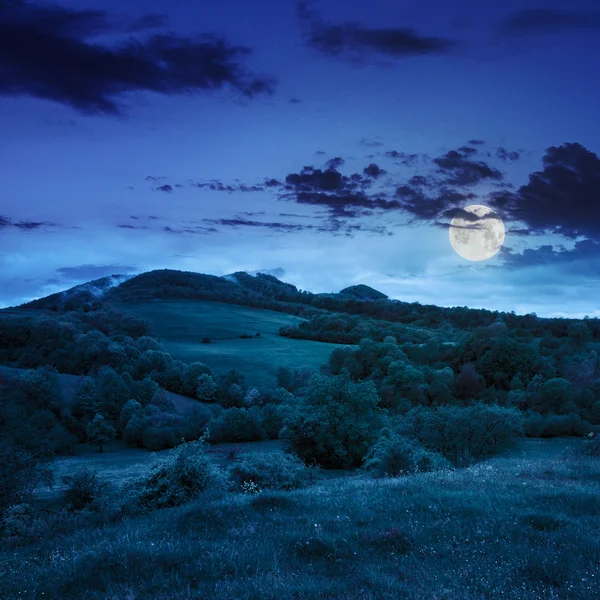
x=370 y=143
x=150 y=21
x=373 y=171
x=196 y=230
x=545 y=20
x=476 y=142
x=165 y=188
x=583 y=258
x=564 y=197
x=6 y=223
x=90 y=272
x=507 y=155
x=272 y=182
x=320 y=152
x=295 y=101
x=236 y=223
x=219 y=186
x=130 y=226
x=334 y=163
x=358 y=43
x=402 y=158
x=458 y=169
x=49 y=52
x=422 y=206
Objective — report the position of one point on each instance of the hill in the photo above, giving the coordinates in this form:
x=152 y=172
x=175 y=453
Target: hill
x=227 y=336
x=363 y=292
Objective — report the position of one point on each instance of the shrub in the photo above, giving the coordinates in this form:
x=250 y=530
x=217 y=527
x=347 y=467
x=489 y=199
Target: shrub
x=591 y=445
x=181 y=477
x=84 y=490
x=19 y=520
x=533 y=424
x=464 y=434
x=99 y=432
x=237 y=425
x=559 y=425
x=335 y=423
x=395 y=455
x=269 y=471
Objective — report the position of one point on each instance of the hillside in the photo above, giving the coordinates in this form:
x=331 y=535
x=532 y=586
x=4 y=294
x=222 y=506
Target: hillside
x=362 y=292
x=224 y=336
x=267 y=292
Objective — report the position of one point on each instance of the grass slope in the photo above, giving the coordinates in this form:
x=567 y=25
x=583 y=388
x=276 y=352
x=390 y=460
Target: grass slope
x=181 y=325
x=520 y=528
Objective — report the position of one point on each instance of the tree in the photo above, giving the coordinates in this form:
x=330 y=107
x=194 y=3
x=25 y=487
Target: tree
x=579 y=333
x=556 y=395
x=191 y=377
x=132 y=407
x=99 y=432
x=206 y=389
x=335 y=423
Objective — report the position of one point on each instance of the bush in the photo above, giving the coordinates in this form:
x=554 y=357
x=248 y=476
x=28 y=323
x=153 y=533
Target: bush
x=464 y=434
x=237 y=425
x=335 y=423
x=181 y=477
x=84 y=490
x=559 y=425
x=394 y=455
x=19 y=520
x=269 y=471
x=533 y=424
x=591 y=445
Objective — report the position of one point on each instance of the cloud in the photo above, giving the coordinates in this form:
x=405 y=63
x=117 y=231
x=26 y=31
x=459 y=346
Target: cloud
x=402 y=158
x=50 y=52
x=507 y=155
x=334 y=163
x=373 y=171
x=564 y=197
x=358 y=43
x=476 y=142
x=90 y=272
x=6 y=223
x=195 y=230
x=582 y=259
x=370 y=143
x=545 y=20
x=165 y=188
x=458 y=169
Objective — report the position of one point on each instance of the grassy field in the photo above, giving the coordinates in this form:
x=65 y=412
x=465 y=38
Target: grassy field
x=521 y=527
x=182 y=324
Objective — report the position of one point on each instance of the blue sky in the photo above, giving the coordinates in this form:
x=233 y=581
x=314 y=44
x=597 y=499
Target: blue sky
x=103 y=175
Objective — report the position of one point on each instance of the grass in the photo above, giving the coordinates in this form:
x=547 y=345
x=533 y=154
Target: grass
x=495 y=530
x=182 y=324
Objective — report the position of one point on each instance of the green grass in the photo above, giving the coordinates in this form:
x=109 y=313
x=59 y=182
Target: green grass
x=182 y=324
x=492 y=531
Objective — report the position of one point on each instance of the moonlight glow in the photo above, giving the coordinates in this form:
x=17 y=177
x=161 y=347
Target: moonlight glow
x=476 y=232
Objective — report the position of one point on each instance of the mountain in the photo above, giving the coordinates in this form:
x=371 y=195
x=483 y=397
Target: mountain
x=363 y=292
x=80 y=294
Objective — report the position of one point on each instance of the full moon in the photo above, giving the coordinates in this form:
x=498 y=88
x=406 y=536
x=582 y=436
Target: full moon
x=479 y=237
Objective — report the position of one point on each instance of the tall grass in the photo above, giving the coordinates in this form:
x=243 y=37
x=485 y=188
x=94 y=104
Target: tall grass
x=512 y=528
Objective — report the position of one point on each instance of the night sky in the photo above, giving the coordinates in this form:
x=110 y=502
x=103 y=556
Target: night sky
x=329 y=143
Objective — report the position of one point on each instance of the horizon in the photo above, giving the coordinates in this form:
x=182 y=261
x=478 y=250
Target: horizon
x=332 y=144
x=277 y=276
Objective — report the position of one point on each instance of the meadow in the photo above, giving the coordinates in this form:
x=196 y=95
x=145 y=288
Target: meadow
x=521 y=526
x=181 y=325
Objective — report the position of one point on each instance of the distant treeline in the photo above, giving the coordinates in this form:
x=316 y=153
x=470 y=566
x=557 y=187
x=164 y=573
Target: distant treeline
x=266 y=291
